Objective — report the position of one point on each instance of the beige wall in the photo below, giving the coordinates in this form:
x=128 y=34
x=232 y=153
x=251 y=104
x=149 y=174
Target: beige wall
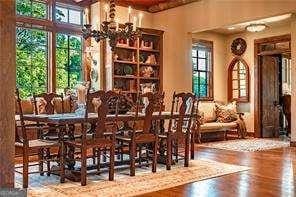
x=249 y=58
x=200 y=16
x=223 y=57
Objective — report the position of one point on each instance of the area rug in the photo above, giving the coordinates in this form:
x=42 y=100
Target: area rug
x=143 y=182
x=248 y=145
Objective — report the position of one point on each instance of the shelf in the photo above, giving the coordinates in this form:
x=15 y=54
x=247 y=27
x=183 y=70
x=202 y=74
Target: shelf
x=145 y=64
x=125 y=62
x=149 y=50
x=125 y=76
x=126 y=47
x=149 y=78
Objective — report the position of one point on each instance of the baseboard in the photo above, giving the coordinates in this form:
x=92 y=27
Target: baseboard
x=293 y=144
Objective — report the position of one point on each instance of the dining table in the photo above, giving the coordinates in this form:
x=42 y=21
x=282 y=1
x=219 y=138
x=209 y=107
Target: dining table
x=64 y=119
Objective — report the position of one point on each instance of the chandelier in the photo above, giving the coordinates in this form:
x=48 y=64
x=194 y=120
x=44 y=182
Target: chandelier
x=110 y=28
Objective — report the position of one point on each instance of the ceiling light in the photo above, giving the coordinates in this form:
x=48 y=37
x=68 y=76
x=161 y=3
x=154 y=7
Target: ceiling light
x=256 y=27
x=231 y=28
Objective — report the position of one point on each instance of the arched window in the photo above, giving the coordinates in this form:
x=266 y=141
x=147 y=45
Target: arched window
x=238 y=80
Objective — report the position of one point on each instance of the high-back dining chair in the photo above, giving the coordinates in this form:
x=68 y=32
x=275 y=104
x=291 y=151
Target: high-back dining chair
x=180 y=126
x=28 y=146
x=146 y=135
x=98 y=140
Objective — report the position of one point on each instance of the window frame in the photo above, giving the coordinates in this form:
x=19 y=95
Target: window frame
x=209 y=73
x=52 y=27
x=240 y=99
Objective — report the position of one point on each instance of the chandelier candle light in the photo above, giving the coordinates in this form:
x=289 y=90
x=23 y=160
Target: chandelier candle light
x=111 y=30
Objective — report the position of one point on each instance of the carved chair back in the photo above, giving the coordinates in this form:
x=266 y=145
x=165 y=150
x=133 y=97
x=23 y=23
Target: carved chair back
x=183 y=104
x=155 y=104
x=48 y=99
x=19 y=112
x=100 y=99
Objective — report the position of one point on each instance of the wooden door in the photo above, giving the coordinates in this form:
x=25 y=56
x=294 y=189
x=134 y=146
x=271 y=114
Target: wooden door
x=270 y=95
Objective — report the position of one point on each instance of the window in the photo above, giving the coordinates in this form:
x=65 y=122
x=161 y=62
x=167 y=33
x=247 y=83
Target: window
x=238 y=80
x=36 y=58
x=32 y=8
x=69 y=60
x=202 y=56
x=31 y=61
x=69 y=15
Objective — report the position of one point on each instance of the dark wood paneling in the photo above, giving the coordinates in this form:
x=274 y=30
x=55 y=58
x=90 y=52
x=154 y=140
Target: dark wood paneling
x=257 y=77
x=7 y=86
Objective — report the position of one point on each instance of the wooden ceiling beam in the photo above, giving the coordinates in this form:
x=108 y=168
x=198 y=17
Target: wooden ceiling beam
x=168 y=5
x=153 y=9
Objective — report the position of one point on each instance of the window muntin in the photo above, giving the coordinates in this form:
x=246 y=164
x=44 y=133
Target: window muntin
x=32 y=8
x=68 y=61
x=202 y=53
x=238 y=81
x=31 y=61
x=69 y=15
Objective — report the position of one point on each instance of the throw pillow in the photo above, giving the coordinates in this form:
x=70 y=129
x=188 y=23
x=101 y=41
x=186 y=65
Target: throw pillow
x=226 y=113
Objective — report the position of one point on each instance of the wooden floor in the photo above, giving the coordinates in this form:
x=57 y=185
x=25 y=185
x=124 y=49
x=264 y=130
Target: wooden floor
x=273 y=173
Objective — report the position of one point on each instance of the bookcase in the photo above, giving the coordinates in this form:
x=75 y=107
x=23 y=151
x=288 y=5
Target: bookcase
x=136 y=64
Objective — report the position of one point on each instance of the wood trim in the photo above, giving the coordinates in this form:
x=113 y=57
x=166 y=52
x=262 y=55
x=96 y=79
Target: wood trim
x=7 y=86
x=293 y=143
x=210 y=44
x=257 y=78
x=245 y=99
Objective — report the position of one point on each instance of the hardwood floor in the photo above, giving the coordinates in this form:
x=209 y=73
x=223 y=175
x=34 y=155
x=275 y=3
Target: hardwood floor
x=273 y=173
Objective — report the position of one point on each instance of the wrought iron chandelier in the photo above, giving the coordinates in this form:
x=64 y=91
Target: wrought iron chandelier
x=111 y=30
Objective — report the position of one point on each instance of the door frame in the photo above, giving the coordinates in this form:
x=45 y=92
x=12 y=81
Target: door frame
x=258 y=79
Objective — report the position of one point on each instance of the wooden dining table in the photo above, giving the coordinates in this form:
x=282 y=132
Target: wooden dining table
x=71 y=119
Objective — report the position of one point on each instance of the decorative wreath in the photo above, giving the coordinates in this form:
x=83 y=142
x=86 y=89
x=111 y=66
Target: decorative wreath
x=238 y=46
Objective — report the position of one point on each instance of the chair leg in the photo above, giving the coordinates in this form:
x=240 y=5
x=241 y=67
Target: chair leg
x=187 y=144
x=48 y=161
x=192 y=145
x=111 y=167
x=99 y=160
x=132 y=159
x=83 y=166
x=94 y=157
x=176 y=150
x=140 y=154
x=25 y=168
x=62 y=163
x=154 y=162
x=169 y=154
x=104 y=155
x=41 y=158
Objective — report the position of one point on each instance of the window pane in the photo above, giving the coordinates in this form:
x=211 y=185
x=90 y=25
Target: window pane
x=235 y=84
x=194 y=53
x=75 y=17
x=234 y=74
x=75 y=42
x=243 y=93
x=23 y=7
x=75 y=60
x=62 y=58
x=39 y=10
x=202 y=78
x=201 y=64
x=203 y=91
x=61 y=14
x=62 y=79
x=235 y=94
x=194 y=63
x=242 y=82
x=31 y=61
x=202 y=53
x=242 y=76
x=62 y=40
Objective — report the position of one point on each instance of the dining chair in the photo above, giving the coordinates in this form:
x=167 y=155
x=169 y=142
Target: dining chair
x=180 y=128
x=99 y=140
x=146 y=135
x=28 y=146
x=48 y=103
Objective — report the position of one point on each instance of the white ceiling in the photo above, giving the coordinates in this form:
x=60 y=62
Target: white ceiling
x=270 y=22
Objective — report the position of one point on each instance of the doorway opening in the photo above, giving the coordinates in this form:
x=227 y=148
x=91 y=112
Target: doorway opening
x=273 y=86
